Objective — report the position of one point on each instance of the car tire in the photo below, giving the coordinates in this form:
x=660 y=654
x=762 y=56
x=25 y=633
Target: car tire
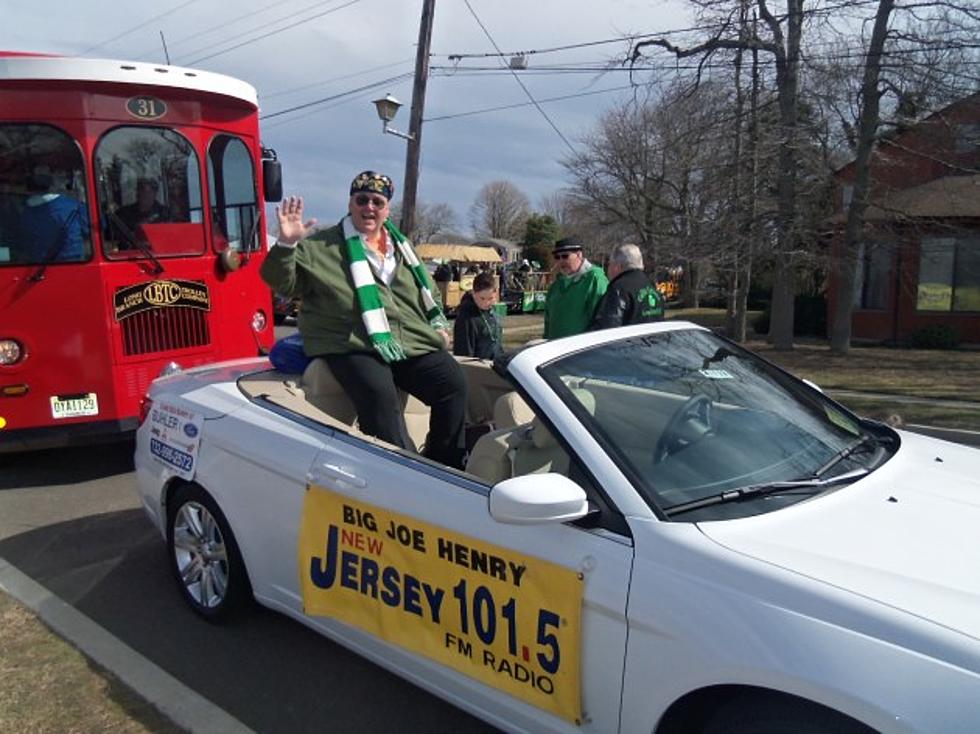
x=204 y=556
x=779 y=714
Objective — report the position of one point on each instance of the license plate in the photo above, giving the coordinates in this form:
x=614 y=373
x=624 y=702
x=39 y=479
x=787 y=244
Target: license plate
x=72 y=406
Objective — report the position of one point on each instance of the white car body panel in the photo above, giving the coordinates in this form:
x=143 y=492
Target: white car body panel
x=865 y=605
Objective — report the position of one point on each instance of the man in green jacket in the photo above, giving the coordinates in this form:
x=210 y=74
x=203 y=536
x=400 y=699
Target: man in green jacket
x=368 y=309
x=573 y=297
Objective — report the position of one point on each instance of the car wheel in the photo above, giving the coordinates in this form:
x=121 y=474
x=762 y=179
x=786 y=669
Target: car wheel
x=780 y=715
x=204 y=556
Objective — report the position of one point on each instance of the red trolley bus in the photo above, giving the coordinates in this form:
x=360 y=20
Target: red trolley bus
x=131 y=234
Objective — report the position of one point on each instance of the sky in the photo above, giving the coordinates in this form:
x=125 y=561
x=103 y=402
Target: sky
x=297 y=52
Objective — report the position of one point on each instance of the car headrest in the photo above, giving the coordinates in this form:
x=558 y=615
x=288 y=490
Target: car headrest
x=542 y=438
x=510 y=411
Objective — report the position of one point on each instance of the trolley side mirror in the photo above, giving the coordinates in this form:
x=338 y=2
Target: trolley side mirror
x=271 y=176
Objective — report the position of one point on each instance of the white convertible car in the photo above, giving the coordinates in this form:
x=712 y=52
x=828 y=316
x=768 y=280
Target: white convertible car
x=656 y=531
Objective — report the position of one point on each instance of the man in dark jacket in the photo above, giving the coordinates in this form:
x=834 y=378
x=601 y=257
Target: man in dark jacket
x=630 y=298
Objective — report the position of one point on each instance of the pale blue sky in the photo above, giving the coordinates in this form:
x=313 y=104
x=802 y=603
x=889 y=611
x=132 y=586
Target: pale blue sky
x=353 y=44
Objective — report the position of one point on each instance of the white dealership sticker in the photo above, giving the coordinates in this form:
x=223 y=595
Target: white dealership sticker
x=175 y=435
x=717 y=374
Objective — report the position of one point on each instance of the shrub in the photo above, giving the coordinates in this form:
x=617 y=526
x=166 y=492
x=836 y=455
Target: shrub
x=935 y=336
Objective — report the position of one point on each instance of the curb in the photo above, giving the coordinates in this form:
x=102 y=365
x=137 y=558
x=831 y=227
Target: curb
x=183 y=706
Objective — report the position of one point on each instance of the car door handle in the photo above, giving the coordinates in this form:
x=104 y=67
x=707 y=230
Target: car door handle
x=342 y=474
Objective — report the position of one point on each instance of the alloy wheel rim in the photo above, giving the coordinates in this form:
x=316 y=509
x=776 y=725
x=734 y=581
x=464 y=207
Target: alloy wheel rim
x=200 y=554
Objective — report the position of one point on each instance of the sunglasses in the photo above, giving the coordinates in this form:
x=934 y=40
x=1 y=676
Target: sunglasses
x=564 y=255
x=363 y=200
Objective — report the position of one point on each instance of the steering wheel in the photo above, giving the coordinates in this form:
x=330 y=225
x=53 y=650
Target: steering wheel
x=689 y=424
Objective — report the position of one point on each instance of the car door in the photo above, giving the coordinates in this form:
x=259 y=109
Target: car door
x=401 y=559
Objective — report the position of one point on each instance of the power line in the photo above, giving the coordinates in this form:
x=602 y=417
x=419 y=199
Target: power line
x=137 y=27
x=332 y=97
x=518 y=79
x=263 y=26
x=227 y=23
x=526 y=104
x=292 y=90
x=272 y=33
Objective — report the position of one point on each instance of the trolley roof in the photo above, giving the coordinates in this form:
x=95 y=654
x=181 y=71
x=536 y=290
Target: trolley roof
x=18 y=66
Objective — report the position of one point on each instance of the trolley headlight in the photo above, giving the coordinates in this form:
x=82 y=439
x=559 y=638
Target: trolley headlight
x=258 y=321
x=11 y=351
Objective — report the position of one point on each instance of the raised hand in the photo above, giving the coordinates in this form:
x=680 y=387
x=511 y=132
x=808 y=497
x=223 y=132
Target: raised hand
x=292 y=228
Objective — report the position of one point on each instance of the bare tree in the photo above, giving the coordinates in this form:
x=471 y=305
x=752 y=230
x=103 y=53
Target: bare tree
x=431 y=221
x=560 y=206
x=499 y=211
x=782 y=40
x=840 y=331
x=918 y=57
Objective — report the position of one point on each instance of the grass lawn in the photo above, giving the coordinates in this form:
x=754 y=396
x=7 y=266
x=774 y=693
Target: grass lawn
x=48 y=686
x=878 y=371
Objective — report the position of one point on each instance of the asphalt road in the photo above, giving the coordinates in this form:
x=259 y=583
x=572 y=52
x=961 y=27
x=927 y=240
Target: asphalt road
x=69 y=519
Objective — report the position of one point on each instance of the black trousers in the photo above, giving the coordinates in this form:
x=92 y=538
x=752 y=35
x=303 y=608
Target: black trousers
x=434 y=378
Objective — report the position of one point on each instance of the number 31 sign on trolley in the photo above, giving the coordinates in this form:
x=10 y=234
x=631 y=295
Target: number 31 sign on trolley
x=509 y=620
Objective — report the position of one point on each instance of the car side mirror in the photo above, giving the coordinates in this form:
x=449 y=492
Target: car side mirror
x=534 y=499
x=271 y=176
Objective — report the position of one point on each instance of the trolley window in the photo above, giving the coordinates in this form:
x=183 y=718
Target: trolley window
x=149 y=193
x=231 y=184
x=43 y=202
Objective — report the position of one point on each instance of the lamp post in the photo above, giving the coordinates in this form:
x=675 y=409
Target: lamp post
x=388 y=106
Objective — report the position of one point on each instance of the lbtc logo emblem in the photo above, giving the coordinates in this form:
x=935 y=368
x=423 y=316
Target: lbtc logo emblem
x=162 y=293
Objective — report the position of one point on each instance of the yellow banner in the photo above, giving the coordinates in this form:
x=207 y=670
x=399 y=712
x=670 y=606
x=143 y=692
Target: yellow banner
x=509 y=620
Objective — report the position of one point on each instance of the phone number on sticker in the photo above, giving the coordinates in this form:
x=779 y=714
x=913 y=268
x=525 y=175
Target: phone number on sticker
x=174 y=457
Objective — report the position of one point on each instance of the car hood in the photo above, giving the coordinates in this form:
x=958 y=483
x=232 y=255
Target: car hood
x=907 y=535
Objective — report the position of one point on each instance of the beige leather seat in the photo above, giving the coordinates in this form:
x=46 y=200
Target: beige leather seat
x=527 y=448
x=510 y=411
x=324 y=391
x=539 y=451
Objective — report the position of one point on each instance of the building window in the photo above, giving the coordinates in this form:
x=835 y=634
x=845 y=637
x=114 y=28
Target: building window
x=873 y=276
x=949 y=274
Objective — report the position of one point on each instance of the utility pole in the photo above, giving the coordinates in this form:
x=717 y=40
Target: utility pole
x=415 y=122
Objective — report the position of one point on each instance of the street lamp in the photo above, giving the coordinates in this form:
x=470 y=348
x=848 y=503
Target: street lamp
x=387 y=108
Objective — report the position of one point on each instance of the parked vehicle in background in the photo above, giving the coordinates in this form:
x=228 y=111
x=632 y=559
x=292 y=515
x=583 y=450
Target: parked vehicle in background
x=453 y=268
x=525 y=287
x=131 y=234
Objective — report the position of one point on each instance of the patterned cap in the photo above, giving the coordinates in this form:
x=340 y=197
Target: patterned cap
x=374 y=182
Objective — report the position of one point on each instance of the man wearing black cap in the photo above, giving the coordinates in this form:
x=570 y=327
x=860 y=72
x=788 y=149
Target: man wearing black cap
x=368 y=310
x=573 y=297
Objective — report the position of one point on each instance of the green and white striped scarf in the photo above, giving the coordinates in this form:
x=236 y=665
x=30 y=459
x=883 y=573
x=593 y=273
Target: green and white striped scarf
x=369 y=299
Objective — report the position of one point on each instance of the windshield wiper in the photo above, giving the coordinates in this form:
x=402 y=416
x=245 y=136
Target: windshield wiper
x=813 y=485
x=862 y=443
x=139 y=244
x=58 y=244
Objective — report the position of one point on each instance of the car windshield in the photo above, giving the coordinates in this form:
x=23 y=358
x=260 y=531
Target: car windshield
x=691 y=417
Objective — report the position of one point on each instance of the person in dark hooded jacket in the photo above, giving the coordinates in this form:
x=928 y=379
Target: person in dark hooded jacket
x=478 y=331
x=630 y=298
